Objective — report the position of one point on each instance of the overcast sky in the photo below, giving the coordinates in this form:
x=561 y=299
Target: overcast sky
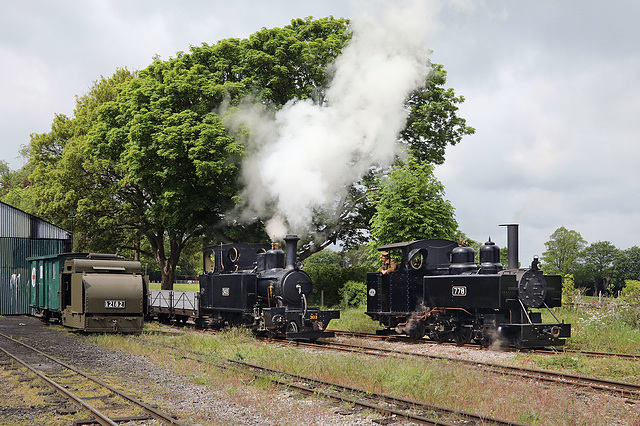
x=551 y=87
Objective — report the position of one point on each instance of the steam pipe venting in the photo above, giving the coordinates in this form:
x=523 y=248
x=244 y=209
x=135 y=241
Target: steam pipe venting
x=512 y=246
x=292 y=250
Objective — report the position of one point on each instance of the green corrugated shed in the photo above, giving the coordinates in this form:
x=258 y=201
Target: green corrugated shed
x=15 y=270
x=21 y=236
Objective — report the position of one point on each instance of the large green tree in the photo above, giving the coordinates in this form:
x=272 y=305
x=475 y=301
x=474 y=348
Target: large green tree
x=65 y=189
x=410 y=205
x=563 y=251
x=626 y=266
x=598 y=265
x=147 y=156
x=146 y=163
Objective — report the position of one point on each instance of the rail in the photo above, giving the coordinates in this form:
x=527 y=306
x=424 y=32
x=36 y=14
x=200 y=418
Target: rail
x=17 y=352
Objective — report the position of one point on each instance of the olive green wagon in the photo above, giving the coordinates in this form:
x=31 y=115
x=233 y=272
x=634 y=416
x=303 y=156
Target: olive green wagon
x=92 y=292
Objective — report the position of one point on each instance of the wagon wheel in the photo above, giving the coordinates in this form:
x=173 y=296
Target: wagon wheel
x=462 y=336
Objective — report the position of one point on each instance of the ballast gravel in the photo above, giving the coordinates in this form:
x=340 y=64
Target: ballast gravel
x=158 y=386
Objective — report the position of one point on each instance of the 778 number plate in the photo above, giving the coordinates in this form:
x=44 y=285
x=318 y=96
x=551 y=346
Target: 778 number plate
x=114 y=304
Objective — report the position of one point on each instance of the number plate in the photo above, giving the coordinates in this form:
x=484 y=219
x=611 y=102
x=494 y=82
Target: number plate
x=114 y=304
x=313 y=316
x=459 y=290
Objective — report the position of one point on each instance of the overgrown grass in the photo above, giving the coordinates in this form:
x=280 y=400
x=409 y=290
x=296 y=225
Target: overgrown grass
x=598 y=328
x=438 y=382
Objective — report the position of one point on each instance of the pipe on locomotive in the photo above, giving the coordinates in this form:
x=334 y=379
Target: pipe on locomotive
x=292 y=250
x=513 y=261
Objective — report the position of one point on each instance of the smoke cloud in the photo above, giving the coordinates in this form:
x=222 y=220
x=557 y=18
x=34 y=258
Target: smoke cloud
x=307 y=155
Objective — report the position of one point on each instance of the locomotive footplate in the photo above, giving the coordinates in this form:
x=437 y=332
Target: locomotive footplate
x=535 y=335
x=298 y=324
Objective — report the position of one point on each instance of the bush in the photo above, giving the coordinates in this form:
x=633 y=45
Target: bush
x=354 y=294
x=329 y=276
x=569 y=291
x=331 y=280
x=629 y=311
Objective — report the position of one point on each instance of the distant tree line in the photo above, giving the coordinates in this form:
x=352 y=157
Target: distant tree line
x=597 y=267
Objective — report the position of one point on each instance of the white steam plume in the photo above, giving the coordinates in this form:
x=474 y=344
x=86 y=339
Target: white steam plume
x=309 y=155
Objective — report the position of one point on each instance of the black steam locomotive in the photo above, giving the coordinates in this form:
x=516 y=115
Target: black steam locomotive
x=438 y=290
x=249 y=285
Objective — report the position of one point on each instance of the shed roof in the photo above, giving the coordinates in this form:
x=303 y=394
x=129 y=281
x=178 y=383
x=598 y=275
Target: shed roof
x=15 y=223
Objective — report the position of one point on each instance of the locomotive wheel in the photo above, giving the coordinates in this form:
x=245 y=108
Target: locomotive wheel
x=517 y=342
x=437 y=336
x=462 y=336
x=292 y=327
x=485 y=341
x=416 y=331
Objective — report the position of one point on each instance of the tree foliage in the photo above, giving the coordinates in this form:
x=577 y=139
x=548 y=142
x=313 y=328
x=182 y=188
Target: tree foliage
x=410 y=205
x=626 y=266
x=146 y=164
x=597 y=262
x=329 y=276
x=433 y=122
x=563 y=250
x=597 y=267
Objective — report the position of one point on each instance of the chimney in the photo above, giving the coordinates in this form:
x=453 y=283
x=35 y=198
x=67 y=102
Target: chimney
x=512 y=245
x=292 y=250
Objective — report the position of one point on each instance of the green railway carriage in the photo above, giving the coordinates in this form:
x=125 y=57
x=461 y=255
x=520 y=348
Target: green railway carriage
x=91 y=292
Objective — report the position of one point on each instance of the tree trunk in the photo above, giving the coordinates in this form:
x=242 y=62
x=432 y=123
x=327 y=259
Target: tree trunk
x=166 y=263
x=168 y=275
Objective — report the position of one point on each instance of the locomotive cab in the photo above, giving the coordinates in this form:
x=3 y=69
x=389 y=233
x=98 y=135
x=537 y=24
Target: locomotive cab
x=394 y=298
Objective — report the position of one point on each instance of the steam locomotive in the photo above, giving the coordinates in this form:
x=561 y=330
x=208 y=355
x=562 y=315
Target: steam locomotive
x=249 y=285
x=438 y=290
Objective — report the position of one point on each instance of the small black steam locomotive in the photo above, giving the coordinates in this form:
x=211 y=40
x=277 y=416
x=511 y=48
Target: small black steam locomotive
x=249 y=285
x=438 y=290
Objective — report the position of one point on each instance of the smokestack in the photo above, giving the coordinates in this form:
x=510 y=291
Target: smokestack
x=512 y=245
x=292 y=250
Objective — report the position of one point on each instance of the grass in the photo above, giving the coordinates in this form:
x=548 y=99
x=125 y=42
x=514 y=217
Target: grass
x=598 y=328
x=177 y=287
x=438 y=382
x=354 y=319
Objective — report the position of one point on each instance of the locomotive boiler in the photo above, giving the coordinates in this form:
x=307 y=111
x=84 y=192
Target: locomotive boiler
x=438 y=290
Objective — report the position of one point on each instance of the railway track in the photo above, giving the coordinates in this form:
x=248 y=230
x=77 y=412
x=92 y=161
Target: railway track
x=105 y=404
x=563 y=350
x=389 y=406
x=625 y=390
